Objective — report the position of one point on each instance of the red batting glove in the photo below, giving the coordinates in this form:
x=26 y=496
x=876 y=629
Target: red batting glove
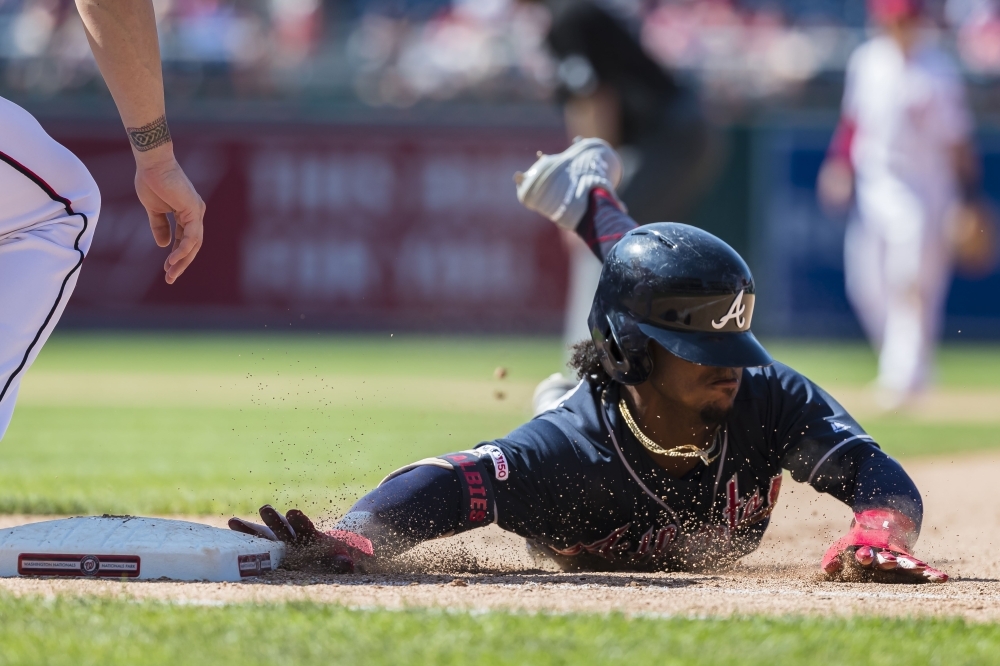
x=338 y=551
x=878 y=542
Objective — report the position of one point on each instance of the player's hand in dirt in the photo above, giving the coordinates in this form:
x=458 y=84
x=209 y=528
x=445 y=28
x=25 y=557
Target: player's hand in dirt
x=877 y=549
x=163 y=188
x=336 y=551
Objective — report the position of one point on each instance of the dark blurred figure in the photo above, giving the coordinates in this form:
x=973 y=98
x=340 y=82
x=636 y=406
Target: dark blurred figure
x=610 y=88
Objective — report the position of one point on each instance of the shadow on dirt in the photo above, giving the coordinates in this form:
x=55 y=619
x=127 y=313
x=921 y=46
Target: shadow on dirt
x=522 y=578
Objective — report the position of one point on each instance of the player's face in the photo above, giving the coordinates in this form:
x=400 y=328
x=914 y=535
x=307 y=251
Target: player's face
x=707 y=390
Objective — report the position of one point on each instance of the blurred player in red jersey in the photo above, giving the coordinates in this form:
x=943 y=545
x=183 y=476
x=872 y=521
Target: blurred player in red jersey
x=903 y=152
x=49 y=203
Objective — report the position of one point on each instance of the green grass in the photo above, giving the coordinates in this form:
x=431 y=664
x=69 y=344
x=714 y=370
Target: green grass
x=959 y=365
x=94 y=631
x=222 y=423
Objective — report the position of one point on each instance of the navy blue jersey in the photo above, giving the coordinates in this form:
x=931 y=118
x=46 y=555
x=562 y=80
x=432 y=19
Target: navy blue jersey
x=582 y=490
x=581 y=487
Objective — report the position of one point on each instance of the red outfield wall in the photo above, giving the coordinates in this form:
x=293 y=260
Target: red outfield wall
x=346 y=226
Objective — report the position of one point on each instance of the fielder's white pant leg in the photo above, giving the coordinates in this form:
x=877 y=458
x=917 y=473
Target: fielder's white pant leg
x=917 y=267
x=864 y=275
x=584 y=275
x=49 y=205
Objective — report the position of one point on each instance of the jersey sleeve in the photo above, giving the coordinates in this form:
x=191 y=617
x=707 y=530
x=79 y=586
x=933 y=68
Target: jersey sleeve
x=811 y=428
x=848 y=104
x=523 y=463
x=820 y=444
x=954 y=121
x=548 y=480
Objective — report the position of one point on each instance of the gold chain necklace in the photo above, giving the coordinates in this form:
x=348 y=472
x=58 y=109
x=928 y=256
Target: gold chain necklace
x=683 y=451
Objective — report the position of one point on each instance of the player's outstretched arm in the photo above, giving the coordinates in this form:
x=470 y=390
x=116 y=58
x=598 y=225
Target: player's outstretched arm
x=122 y=35
x=827 y=449
x=336 y=551
x=887 y=515
x=887 y=511
x=835 y=183
x=433 y=498
x=877 y=547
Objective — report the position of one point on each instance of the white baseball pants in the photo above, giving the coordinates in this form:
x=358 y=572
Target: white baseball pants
x=584 y=275
x=49 y=205
x=897 y=260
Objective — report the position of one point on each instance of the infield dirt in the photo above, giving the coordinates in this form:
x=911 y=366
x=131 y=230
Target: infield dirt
x=489 y=569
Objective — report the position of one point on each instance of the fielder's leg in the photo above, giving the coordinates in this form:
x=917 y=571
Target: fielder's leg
x=864 y=277
x=49 y=205
x=584 y=274
x=917 y=273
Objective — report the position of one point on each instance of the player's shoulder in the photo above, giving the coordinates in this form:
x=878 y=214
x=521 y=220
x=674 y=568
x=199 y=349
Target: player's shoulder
x=774 y=377
x=873 y=51
x=574 y=429
x=778 y=388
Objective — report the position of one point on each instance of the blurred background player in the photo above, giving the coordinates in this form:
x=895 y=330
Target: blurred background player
x=611 y=88
x=51 y=203
x=903 y=151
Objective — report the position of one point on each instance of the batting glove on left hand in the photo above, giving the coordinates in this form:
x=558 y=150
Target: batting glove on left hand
x=337 y=551
x=877 y=548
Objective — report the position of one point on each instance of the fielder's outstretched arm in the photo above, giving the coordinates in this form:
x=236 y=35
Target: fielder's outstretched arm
x=122 y=35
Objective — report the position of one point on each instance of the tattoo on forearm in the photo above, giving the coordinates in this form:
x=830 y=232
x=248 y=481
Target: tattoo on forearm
x=150 y=136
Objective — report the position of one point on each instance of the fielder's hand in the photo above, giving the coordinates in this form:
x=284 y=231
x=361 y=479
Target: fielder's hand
x=835 y=186
x=336 y=551
x=163 y=188
x=974 y=239
x=877 y=549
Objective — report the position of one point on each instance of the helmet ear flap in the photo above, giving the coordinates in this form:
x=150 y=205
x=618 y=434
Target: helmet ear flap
x=615 y=351
x=622 y=363
x=615 y=363
x=623 y=349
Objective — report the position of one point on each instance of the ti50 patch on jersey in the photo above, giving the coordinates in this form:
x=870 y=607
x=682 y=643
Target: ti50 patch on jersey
x=501 y=470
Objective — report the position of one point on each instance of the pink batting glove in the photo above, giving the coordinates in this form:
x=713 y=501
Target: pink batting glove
x=878 y=542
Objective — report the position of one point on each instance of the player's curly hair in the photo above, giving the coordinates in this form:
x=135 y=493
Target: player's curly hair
x=587 y=363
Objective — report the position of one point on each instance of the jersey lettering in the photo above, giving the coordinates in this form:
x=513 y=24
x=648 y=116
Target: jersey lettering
x=741 y=513
x=600 y=547
x=476 y=490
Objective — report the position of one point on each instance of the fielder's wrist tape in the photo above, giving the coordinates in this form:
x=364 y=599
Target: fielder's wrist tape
x=478 y=501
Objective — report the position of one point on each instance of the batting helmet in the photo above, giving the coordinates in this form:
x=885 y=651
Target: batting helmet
x=682 y=287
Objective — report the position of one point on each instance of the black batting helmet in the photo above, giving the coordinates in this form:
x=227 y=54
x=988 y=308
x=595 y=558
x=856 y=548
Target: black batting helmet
x=682 y=287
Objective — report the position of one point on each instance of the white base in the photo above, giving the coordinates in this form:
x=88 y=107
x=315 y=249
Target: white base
x=139 y=548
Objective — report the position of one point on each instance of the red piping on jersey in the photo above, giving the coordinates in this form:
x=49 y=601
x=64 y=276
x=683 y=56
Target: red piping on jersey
x=37 y=180
x=843 y=139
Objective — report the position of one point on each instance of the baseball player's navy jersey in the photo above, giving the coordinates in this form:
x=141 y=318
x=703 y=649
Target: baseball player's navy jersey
x=578 y=485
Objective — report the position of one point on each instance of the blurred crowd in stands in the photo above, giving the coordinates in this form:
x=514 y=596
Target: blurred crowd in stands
x=399 y=52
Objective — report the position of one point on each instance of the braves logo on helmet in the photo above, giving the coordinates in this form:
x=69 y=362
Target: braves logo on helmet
x=736 y=311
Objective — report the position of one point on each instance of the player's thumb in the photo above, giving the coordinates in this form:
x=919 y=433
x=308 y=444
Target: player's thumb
x=160 y=226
